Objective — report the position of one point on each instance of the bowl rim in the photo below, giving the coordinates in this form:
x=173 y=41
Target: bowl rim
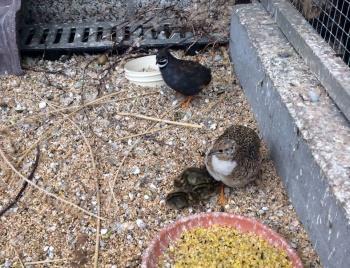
x=165 y=235
x=131 y=71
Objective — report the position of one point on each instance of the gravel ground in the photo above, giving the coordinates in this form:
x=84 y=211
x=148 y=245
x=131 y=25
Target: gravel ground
x=35 y=107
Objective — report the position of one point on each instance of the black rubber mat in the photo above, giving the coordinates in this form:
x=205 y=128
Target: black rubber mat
x=102 y=36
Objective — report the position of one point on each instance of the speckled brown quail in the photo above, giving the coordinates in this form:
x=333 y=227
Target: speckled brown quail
x=234 y=158
x=184 y=76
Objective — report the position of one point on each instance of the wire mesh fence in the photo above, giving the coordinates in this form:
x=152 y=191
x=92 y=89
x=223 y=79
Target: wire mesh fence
x=331 y=19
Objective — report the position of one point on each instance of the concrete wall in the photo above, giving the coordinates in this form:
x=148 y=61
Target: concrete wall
x=308 y=137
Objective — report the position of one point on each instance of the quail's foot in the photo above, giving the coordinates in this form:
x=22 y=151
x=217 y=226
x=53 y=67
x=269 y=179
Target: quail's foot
x=186 y=102
x=222 y=199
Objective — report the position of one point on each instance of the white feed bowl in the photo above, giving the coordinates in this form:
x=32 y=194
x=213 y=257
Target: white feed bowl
x=144 y=72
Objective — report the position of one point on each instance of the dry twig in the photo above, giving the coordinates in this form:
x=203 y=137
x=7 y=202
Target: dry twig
x=47 y=261
x=18 y=257
x=143 y=133
x=160 y=120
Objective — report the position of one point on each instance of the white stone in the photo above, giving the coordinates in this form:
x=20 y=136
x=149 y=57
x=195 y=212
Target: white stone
x=314 y=96
x=42 y=105
x=19 y=108
x=104 y=231
x=217 y=58
x=140 y=223
x=213 y=126
x=135 y=170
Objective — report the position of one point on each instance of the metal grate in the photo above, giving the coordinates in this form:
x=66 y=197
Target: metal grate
x=102 y=36
x=331 y=19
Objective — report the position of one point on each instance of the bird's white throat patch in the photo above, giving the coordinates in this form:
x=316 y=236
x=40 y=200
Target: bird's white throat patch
x=162 y=63
x=222 y=166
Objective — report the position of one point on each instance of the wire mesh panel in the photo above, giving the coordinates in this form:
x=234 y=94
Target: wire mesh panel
x=331 y=19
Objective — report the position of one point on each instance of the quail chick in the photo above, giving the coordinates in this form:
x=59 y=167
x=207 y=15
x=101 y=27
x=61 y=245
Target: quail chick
x=185 y=77
x=197 y=182
x=194 y=184
x=177 y=199
x=234 y=158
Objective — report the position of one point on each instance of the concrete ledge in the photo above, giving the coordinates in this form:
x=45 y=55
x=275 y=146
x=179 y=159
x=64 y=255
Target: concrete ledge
x=331 y=70
x=308 y=136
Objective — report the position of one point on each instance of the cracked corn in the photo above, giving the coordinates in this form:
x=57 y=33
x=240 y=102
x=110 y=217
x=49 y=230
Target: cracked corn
x=223 y=247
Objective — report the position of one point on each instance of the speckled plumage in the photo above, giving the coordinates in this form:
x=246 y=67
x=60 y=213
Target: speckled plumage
x=239 y=148
x=185 y=77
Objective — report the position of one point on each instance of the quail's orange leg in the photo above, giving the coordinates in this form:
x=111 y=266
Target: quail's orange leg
x=186 y=102
x=222 y=199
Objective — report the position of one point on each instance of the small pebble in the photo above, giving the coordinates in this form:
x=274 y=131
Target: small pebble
x=314 y=97
x=213 y=126
x=146 y=197
x=153 y=187
x=50 y=251
x=42 y=104
x=135 y=170
x=227 y=191
x=140 y=223
x=119 y=227
x=294 y=245
x=102 y=59
x=51 y=228
x=7 y=264
x=284 y=54
x=67 y=99
x=162 y=35
x=15 y=83
x=261 y=212
x=78 y=84
x=217 y=58
x=19 y=108
x=104 y=231
x=279 y=213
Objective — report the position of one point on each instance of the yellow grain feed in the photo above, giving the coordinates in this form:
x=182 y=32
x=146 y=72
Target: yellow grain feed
x=222 y=247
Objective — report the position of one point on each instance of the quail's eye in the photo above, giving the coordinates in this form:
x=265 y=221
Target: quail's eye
x=221 y=151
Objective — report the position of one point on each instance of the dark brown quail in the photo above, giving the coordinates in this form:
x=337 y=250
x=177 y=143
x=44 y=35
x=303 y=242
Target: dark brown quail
x=234 y=158
x=185 y=77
